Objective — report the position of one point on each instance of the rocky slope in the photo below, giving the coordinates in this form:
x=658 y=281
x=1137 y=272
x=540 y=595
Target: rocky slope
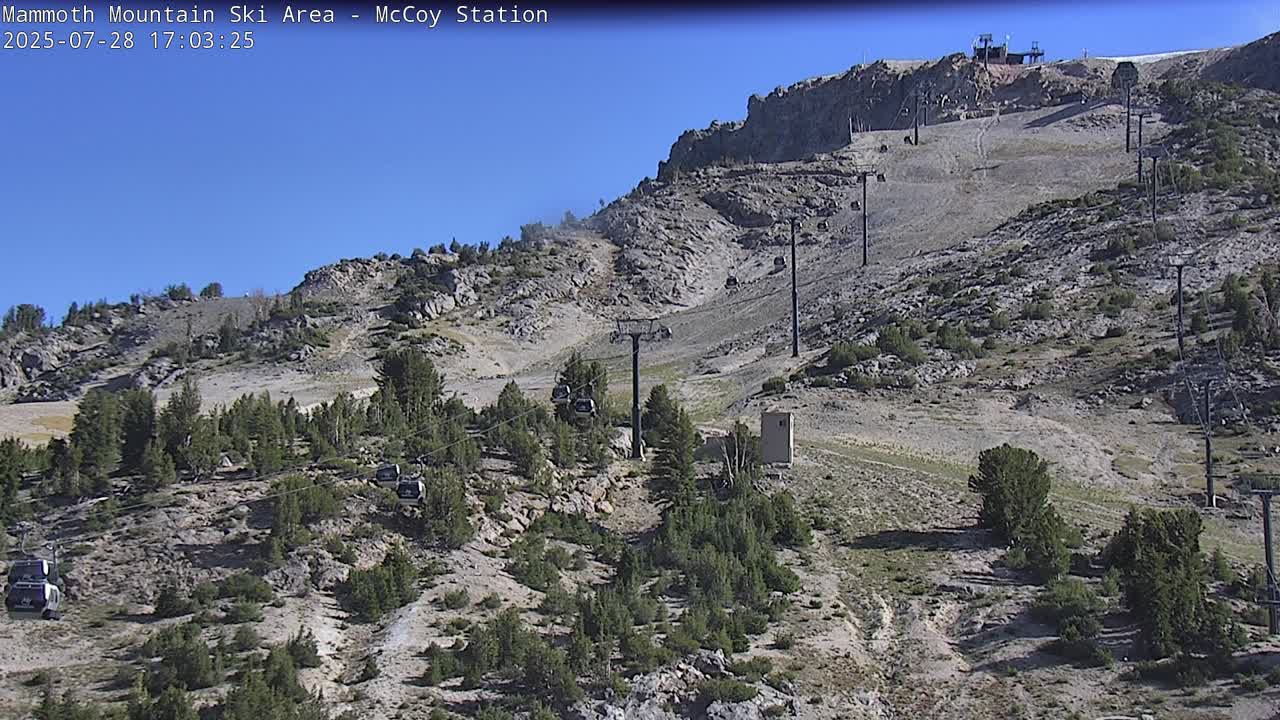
x=332 y=322
x=819 y=115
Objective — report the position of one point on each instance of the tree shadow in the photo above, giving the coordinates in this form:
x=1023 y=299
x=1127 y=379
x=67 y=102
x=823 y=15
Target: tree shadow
x=1118 y=637
x=236 y=556
x=991 y=579
x=137 y=618
x=1037 y=659
x=1258 y=661
x=118 y=383
x=1020 y=627
x=960 y=538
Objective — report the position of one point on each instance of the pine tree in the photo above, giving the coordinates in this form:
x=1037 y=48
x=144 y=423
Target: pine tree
x=138 y=426
x=202 y=454
x=674 y=472
x=64 y=460
x=173 y=704
x=157 y=467
x=1014 y=485
x=1041 y=540
x=564 y=445
x=139 y=699
x=411 y=378
x=96 y=434
x=742 y=456
x=268 y=457
x=23 y=318
x=445 y=519
x=11 y=467
x=228 y=335
x=72 y=318
x=286 y=519
x=526 y=452
x=178 y=422
x=384 y=415
x=1164 y=578
x=339 y=422
x=659 y=410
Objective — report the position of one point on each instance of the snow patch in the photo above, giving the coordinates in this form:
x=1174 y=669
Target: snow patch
x=1155 y=57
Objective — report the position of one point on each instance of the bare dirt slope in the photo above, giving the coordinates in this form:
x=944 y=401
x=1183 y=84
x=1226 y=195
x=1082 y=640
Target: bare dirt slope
x=963 y=179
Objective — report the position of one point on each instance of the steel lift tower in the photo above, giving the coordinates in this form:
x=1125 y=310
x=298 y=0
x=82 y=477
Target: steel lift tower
x=638 y=329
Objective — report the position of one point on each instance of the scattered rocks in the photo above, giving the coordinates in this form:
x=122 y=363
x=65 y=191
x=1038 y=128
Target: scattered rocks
x=671 y=693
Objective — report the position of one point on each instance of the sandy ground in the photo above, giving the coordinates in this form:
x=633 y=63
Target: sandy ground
x=37 y=422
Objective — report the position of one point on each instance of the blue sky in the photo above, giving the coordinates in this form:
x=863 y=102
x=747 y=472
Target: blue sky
x=124 y=171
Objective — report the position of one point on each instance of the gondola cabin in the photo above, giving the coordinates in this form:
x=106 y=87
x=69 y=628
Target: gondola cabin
x=410 y=492
x=584 y=407
x=32 y=570
x=560 y=394
x=387 y=476
x=33 y=601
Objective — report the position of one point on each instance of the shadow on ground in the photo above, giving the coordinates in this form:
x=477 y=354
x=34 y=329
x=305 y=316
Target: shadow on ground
x=962 y=538
x=1068 y=111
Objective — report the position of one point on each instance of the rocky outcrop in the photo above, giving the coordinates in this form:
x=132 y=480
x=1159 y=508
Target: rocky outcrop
x=817 y=115
x=465 y=283
x=156 y=372
x=25 y=359
x=441 y=293
x=347 y=280
x=572 y=495
x=11 y=374
x=739 y=209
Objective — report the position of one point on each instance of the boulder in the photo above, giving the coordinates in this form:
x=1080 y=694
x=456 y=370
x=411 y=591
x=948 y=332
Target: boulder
x=11 y=375
x=155 y=373
x=740 y=209
x=38 y=360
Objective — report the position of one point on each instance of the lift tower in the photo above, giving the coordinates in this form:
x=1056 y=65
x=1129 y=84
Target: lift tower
x=1126 y=76
x=638 y=329
x=863 y=173
x=1156 y=153
x=1142 y=113
x=1272 y=600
